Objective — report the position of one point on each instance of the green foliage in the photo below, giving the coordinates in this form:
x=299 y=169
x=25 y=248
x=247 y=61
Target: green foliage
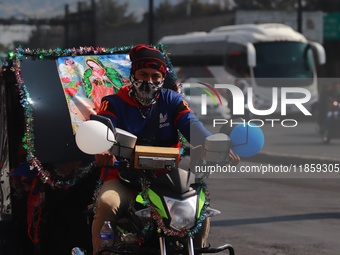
x=110 y=13
x=286 y=5
x=329 y=5
x=193 y=8
x=168 y=9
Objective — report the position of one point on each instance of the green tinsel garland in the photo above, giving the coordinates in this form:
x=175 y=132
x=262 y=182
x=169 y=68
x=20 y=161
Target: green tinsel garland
x=28 y=138
x=159 y=220
x=26 y=102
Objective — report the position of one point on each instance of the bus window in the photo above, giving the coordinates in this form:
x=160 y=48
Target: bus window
x=283 y=60
x=236 y=60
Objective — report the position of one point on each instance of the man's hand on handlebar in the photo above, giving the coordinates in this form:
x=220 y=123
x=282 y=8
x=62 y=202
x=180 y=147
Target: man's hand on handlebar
x=234 y=159
x=105 y=159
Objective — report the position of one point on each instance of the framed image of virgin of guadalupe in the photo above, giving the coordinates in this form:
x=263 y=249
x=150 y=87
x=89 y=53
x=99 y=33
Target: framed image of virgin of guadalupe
x=45 y=96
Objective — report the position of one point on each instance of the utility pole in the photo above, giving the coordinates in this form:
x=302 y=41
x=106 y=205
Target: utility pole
x=79 y=21
x=81 y=24
x=151 y=28
x=299 y=16
x=66 y=27
x=93 y=19
x=188 y=9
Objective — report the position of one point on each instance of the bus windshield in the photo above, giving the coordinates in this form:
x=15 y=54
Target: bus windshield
x=283 y=60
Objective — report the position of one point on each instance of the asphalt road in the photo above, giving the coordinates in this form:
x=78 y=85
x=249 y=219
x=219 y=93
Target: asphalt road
x=280 y=213
x=298 y=144
x=281 y=216
x=300 y=141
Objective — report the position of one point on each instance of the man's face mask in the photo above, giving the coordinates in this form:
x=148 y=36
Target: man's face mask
x=146 y=92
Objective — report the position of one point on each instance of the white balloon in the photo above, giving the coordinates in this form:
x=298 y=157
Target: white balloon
x=93 y=137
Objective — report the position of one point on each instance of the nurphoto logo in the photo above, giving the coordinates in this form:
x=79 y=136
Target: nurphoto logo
x=281 y=100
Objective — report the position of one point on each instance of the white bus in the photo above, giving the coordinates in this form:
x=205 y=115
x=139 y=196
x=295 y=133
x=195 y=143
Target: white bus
x=260 y=56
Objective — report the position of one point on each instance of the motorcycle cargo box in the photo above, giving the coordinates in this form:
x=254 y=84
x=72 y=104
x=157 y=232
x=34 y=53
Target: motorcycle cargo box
x=153 y=157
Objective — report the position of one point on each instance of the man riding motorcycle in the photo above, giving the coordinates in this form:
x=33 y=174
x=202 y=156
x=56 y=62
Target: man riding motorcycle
x=155 y=115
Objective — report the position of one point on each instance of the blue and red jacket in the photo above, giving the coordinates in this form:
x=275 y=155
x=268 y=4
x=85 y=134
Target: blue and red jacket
x=174 y=115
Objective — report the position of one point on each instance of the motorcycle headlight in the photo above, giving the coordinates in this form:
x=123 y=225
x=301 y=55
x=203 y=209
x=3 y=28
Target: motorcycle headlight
x=182 y=212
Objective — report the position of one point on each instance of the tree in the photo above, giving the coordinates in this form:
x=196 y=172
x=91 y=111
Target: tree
x=329 y=5
x=192 y=8
x=111 y=14
x=287 y=5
